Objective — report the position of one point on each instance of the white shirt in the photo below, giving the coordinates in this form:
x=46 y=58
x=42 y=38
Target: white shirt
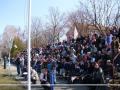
x=34 y=74
x=42 y=77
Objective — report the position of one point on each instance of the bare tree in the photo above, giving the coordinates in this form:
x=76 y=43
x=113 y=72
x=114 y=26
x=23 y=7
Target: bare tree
x=79 y=20
x=36 y=31
x=55 y=24
x=9 y=33
x=100 y=12
x=117 y=16
x=7 y=38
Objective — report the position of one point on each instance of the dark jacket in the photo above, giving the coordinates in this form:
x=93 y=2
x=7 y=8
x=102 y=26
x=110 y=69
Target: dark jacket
x=17 y=62
x=98 y=76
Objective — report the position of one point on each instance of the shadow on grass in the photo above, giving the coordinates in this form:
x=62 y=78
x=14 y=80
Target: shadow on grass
x=4 y=75
x=11 y=88
x=8 y=76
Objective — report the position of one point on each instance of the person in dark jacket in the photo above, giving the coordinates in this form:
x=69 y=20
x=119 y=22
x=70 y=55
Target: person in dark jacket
x=109 y=69
x=98 y=77
x=17 y=62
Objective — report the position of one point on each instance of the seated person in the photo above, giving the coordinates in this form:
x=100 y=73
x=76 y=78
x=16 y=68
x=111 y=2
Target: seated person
x=34 y=76
x=45 y=79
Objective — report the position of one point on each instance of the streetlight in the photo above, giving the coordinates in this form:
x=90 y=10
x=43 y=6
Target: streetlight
x=29 y=44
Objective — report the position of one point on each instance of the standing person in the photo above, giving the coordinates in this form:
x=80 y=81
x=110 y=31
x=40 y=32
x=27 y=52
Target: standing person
x=62 y=70
x=5 y=60
x=39 y=67
x=109 y=69
x=35 y=60
x=98 y=77
x=113 y=45
x=17 y=62
x=22 y=63
x=109 y=39
x=52 y=79
x=119 y=35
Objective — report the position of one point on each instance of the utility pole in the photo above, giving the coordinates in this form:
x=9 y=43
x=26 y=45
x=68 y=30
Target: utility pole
x=29 y=45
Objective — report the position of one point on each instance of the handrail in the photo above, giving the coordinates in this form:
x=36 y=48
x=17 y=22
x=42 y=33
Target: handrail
x=113 y=65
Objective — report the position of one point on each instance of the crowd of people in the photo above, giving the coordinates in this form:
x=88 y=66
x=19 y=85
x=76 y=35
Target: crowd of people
x=85 y=60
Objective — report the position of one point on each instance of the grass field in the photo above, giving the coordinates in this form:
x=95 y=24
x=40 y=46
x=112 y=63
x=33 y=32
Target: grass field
x=6 y=79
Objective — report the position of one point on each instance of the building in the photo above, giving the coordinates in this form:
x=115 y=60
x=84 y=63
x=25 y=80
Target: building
x=85 y=29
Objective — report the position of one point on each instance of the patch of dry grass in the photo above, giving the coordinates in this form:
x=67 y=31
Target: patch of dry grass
x=6 y=79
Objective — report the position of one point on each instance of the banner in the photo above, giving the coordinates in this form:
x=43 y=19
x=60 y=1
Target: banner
x=75 y=33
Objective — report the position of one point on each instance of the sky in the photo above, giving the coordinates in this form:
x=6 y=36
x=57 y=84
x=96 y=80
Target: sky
x=13 y=12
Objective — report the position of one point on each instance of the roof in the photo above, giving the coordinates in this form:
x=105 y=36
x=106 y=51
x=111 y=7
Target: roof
x=83 y=29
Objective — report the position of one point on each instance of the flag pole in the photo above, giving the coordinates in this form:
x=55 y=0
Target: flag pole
x=29 y=44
